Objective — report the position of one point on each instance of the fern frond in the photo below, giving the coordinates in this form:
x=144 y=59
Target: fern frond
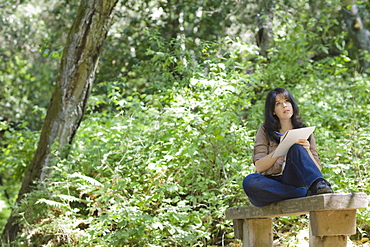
x=86 y=178
x=52 y=203
x=69 y=198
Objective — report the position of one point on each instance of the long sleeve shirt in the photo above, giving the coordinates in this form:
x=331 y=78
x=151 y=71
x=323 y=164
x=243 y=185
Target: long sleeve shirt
x=264 y=146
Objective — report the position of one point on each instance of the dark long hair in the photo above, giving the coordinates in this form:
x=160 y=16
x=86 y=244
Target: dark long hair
x=272 y=123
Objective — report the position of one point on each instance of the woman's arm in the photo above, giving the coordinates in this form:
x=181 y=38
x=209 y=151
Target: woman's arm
x=262 y=157
x=265 y=163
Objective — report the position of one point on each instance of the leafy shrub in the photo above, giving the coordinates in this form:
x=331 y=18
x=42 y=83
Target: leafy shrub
x=149 y=175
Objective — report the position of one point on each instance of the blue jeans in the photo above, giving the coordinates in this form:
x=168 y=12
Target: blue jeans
x=299 y=173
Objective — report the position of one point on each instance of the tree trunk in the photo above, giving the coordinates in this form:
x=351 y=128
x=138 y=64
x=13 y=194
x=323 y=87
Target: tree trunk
x=70 y=96
x=264 y=36
x=359 y=34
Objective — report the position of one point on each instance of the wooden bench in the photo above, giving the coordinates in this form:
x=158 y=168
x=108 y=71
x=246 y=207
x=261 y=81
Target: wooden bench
x=332 y=219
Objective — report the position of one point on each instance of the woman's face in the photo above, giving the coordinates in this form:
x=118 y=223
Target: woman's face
x=283 y=108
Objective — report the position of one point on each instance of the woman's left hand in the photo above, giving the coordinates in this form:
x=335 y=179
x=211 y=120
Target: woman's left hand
x=304 y=143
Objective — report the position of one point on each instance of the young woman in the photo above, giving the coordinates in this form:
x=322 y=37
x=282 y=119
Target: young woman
x=296 y=174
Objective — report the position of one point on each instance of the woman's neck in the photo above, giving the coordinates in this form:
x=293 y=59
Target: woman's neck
x=285 y=126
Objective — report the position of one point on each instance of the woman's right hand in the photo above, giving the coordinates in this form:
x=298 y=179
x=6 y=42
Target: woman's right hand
x=304 y=143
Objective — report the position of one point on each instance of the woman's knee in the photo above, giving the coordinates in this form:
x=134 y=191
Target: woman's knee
x=296 y=151
x=251 y=181
x=297 y=148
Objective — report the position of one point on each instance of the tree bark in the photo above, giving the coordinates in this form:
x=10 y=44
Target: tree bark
x=264 y=36
x=359 y=34
x=70 y=96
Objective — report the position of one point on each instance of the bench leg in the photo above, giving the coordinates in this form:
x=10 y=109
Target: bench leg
x=257 y=232
x=238 y=228
x=330 y=228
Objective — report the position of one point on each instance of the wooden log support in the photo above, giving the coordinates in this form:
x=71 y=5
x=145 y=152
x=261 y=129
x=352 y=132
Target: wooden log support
x=258 y=232
x=331 y=227
x=238 y=228
x=332 y=219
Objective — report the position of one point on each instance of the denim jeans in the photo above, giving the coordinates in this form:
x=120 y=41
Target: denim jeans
x=299 y=173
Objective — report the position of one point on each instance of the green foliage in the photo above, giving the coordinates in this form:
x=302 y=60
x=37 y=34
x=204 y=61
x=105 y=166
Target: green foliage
x=29 y=56
x=166 y=143
x=198 y=20
x=16 y=152
x=150 y=175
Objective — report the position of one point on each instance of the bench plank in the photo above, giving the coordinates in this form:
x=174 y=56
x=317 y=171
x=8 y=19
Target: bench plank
x=303 y=205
